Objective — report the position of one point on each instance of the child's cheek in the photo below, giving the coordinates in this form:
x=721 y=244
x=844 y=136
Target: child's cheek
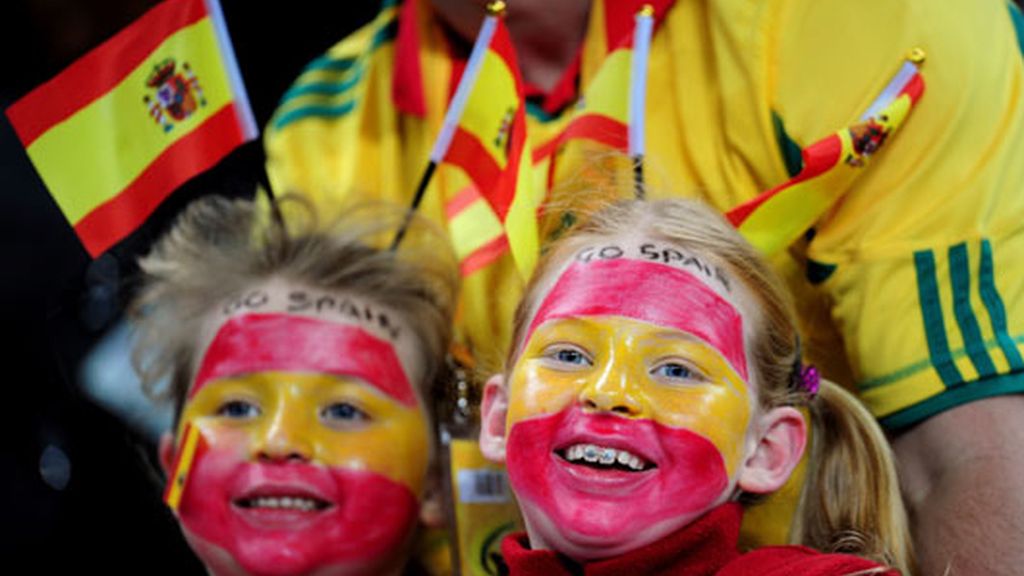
x=536 y=391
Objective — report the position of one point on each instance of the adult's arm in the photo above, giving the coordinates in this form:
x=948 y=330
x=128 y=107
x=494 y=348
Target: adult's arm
x=921 y=259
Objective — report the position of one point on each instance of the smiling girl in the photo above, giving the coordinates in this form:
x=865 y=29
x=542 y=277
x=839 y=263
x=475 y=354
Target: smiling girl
x=654 y=388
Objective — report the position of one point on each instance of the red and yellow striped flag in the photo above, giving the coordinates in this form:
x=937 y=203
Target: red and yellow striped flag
x=776 y=218
x=192 y=445
x=602 y=114
x=122 y=127
x=610 y=111
x=489 y=142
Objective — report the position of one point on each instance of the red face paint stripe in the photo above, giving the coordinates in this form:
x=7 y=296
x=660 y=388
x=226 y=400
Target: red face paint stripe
x=689 y=473
x=282 y=342
x=355 y=530
x=650 y=292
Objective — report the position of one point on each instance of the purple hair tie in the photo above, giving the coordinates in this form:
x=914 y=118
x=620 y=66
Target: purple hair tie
x=810 y=380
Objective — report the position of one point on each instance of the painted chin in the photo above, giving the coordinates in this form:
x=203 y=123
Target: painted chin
x=599 y=485
x=292 y=518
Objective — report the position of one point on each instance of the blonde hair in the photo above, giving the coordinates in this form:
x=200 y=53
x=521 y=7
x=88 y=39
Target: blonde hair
x=850 y=501
x=219 y=248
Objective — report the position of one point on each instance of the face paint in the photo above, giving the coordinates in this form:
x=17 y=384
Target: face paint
x=260 y=342
x=637 y=370
x=312 y=460
x=613 y=510
x=651 y=292
x=192 y=444
x=627 y=416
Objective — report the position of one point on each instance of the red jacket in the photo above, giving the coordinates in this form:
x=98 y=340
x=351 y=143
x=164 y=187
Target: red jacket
x=705 y=548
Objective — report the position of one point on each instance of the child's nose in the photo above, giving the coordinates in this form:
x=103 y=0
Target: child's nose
x=611 y=391
x=288 y=437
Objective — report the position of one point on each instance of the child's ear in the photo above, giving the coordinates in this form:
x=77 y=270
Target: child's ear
x=493 y=411
x=166 y=453
x=780 y=445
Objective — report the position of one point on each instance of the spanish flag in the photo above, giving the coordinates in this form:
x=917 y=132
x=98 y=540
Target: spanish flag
x=609 y=115
x=774 y=219
x=485 y=135
x=117 y=131
x=602 y=115
x=192 y=446
x=611 y=111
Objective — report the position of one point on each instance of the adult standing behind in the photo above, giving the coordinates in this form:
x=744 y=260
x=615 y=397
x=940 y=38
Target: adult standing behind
x=907 y=289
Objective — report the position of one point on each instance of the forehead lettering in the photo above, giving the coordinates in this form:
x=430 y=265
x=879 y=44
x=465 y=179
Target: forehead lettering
x=656 y=293
x=326 y=305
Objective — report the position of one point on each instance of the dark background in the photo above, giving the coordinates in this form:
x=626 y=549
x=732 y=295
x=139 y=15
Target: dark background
x=56 y=302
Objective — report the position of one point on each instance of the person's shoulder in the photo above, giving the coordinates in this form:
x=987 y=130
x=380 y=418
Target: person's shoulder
x=802 y=561
x=330 y=85
x=381 y=30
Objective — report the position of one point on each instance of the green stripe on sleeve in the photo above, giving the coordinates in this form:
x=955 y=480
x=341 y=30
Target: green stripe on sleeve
x=331 y=64
x=960 y=278
x=792 y=156
x=918 y=367
x=996 y=310
x=314 y=112
x=1018 y=24
x=328 y=89
x=332 y=99
x=385 y=33
x=931 y=313
x=953 y=397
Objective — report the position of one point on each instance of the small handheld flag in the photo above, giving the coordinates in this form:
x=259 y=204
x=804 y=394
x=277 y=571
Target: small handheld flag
x=611 y=110
x=122 y=127
x=775 y=218
x=192 y=445
x=455 y=109
x=484 y=134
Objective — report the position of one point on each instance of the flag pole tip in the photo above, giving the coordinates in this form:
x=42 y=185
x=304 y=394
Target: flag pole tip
x=646 y=10
x=496 y=8
x=917 y=55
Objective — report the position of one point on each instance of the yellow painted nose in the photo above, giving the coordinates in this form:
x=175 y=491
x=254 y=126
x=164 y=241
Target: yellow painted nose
x=613 y=388
x=288 y=434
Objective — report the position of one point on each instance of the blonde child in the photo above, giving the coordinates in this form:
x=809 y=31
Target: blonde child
x=301 y=363
x=654 y=388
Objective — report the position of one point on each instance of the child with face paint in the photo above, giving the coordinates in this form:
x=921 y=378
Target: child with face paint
x=655 y=389
x=301 y=365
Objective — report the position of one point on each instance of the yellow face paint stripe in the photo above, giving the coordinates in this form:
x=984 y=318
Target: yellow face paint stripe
x=717 y=405
x=392 y=442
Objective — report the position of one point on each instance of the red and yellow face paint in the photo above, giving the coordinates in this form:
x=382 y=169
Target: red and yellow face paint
x=312 y=447
x=629 y=407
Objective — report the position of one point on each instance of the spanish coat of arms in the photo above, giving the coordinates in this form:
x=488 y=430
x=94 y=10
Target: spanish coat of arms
x=178 y=93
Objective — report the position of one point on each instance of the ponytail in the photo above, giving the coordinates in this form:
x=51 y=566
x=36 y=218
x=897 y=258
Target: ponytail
x=851 y=499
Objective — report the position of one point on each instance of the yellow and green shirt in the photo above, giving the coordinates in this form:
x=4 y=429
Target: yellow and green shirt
x=910 y=288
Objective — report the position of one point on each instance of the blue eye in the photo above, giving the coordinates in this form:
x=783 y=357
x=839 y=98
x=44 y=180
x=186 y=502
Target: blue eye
x=673 y=370
x=570 y=356
x=238 y=409
x=343 y=412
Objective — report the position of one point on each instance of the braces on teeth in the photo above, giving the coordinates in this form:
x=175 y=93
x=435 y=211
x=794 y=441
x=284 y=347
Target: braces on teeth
x=604 y=456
